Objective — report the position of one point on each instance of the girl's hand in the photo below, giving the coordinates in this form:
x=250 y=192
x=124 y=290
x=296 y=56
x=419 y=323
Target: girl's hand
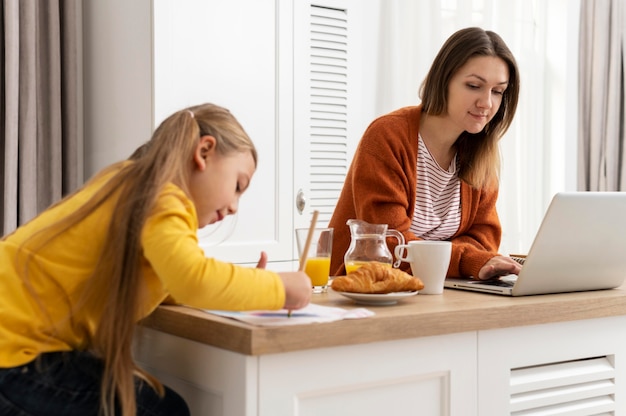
x=297 y=286
x=499 y=266
x=297 y=289
x=262 y=261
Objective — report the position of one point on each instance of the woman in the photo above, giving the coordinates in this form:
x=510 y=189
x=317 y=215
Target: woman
x=431 y=171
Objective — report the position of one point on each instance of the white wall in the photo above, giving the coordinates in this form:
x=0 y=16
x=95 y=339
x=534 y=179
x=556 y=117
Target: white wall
x=117 y=79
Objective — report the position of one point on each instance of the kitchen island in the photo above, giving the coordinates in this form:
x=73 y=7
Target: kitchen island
x=458 y=353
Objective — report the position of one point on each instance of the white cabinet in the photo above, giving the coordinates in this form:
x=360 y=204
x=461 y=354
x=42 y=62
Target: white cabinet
x=289 y=72
x=431 y=376
x=574 y=367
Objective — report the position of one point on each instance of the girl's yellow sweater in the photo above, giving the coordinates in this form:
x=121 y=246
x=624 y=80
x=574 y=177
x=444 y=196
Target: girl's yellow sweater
x=41 y=308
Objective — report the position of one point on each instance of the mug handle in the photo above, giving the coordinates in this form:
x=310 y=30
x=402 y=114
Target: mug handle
x=398 y=235
x=402 y=251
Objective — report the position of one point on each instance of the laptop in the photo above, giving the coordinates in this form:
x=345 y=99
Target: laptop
x=580 y=246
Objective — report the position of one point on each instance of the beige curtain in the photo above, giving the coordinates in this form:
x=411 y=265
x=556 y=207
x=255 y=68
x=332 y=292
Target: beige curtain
x=602 y=156
x=40 y=105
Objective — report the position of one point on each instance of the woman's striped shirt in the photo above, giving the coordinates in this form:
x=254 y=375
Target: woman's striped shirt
x=437 y=214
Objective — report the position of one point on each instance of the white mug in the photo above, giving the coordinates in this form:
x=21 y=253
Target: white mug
x=429 y=261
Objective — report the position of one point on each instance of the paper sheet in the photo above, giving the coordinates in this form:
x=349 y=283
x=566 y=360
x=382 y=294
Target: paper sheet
x=310 y=314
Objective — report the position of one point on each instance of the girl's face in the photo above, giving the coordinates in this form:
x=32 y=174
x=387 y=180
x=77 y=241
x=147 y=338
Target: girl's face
x=217 y=181
x=475 y=92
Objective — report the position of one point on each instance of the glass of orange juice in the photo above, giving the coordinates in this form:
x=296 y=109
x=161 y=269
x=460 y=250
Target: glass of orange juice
x=317 y=265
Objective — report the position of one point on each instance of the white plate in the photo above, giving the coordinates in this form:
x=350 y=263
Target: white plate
x=376 y=298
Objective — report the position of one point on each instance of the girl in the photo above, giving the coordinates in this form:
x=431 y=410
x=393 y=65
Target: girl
x=431 y=171
x=75 y=280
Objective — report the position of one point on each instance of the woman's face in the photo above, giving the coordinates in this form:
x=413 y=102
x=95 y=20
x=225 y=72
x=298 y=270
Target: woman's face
x=475 y=92
x=217 y=182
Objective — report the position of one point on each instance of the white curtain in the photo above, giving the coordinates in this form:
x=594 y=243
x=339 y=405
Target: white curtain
x=601 y=134
x=539 y=149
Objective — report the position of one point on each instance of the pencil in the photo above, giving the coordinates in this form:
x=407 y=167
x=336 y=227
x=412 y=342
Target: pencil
x=307 y=244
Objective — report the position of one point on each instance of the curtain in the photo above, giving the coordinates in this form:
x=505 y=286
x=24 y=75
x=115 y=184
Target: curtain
x=601 y=96
x=40 y=106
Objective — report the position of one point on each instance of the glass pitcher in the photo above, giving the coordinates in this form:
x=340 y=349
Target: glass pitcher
x=369 y=243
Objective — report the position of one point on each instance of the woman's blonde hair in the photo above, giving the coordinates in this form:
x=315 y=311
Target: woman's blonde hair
x=166 y=158
x=478 y=154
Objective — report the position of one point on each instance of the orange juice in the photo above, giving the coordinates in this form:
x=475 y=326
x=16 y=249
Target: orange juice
x=353 y=265
x=318 y=269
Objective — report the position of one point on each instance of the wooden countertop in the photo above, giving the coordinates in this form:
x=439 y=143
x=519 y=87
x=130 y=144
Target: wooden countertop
x=417 y=316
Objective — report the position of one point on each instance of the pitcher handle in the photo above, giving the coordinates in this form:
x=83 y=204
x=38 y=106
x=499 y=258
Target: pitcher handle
x=398 y=235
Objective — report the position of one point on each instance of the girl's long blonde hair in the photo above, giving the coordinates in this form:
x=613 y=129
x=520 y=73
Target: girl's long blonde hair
x=478 y=154
x=166 y=158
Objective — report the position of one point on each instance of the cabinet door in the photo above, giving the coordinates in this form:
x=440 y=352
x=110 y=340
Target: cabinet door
x=227 y=53
x=327 y=107
x=572 y=368
x=430 y=376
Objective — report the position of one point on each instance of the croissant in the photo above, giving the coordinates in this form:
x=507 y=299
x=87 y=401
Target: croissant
x=376 y=278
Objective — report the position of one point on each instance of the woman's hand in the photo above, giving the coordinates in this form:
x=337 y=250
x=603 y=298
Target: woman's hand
x=499 y=266
x=297 y=289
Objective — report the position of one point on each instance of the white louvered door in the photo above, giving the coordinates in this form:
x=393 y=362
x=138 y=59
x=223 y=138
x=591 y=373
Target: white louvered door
x=583 y=385
x=326 y=103
x=567 y=368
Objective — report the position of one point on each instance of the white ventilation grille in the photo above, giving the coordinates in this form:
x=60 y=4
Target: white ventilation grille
x=328 y=115
x=581 y=387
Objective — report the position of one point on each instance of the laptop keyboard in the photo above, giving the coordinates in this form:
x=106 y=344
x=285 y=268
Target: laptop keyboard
x=493 y=282
x=502 y=283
